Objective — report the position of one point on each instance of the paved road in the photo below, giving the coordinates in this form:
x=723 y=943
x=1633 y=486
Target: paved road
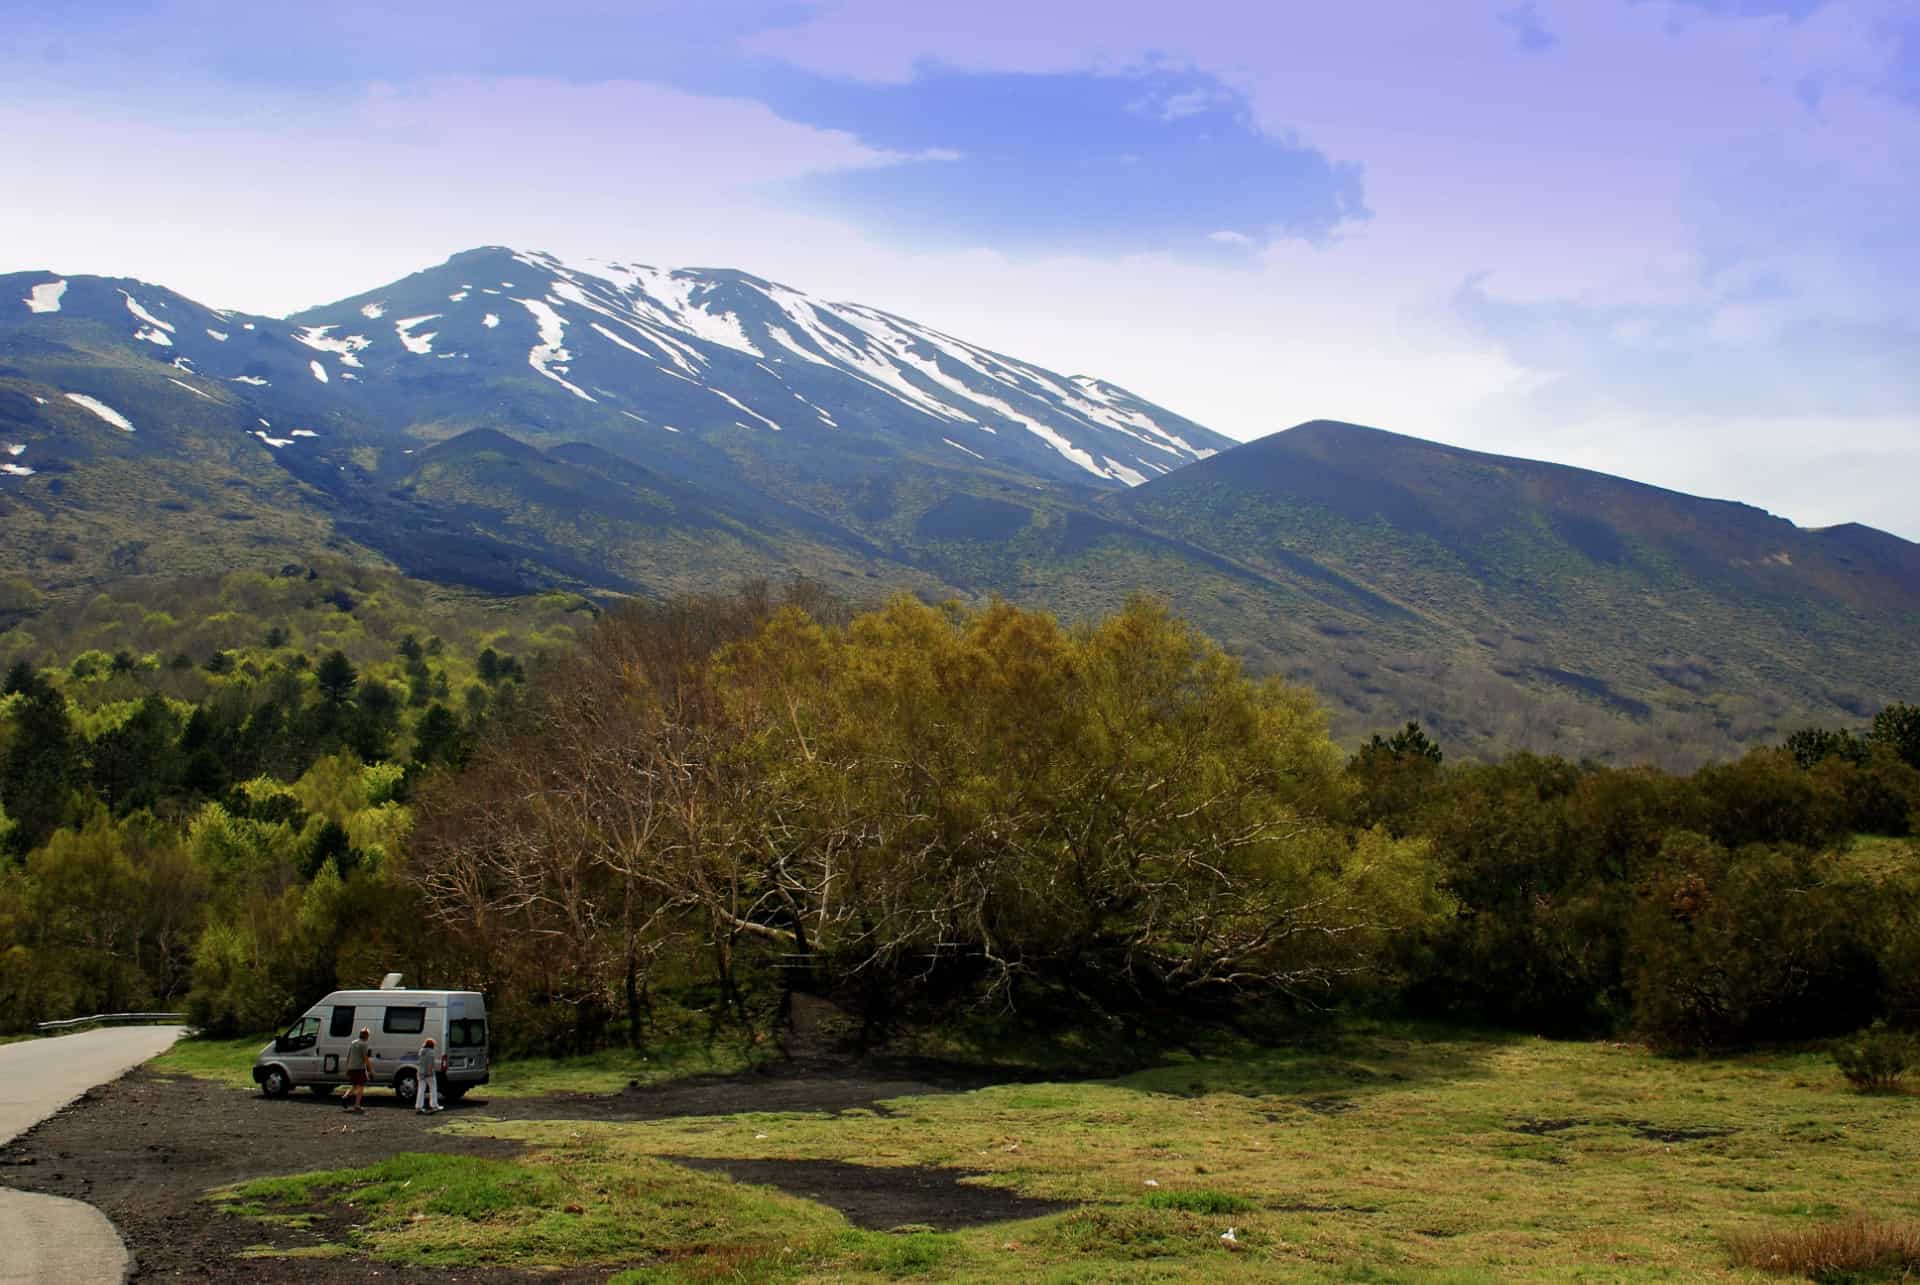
x=48 y=1239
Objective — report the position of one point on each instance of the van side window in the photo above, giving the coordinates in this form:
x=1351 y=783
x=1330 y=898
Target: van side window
x=405 y=1021
x=341 y=1027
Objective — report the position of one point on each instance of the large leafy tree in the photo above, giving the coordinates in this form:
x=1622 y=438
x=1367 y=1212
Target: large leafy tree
x=1115 y=809
x=1898 y=728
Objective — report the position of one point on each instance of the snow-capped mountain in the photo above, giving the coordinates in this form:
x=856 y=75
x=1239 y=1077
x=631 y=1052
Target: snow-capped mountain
x=673 y=350
x=508 y=421
x=632 y=356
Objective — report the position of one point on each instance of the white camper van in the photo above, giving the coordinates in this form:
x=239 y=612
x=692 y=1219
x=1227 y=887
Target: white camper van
x=313 y=1051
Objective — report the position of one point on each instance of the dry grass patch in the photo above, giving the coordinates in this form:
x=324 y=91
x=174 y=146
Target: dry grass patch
x=1853 y=1249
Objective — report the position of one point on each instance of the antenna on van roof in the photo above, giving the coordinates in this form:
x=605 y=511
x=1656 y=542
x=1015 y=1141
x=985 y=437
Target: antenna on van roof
x=391 y=982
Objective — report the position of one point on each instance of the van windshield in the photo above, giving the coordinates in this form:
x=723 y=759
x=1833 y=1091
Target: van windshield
x=466 y=1033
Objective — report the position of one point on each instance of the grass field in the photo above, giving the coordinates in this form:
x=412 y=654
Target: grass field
x=231 y=1062
x=1380 y=1153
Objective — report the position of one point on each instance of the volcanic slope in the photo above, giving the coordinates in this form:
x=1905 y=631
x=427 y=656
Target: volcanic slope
x=509 y=421
x=824 y=432
x=1497 y=596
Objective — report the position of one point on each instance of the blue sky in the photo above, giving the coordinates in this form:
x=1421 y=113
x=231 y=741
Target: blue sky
x=1672 y=239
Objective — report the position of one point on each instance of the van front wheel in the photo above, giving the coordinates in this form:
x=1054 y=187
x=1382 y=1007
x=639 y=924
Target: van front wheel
x=276 y=1084
x=406 y=1085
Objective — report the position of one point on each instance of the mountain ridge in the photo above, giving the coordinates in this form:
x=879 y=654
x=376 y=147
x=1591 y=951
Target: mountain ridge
x=509 y=421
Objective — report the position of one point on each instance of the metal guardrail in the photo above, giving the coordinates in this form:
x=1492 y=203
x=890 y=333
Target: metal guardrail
x=110 y=1017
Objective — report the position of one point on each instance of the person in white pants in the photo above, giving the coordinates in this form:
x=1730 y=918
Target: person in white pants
x=426 y=1080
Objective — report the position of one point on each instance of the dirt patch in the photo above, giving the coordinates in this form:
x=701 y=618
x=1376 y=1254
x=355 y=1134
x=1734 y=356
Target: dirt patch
x=818 y=1086
x=1654 y=1133
x=882 y=1197
x=1330 y=1106
x=1639 y=1128
x=147 y=1148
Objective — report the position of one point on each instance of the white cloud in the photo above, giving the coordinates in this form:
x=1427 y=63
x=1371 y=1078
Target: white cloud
x=1227 y=236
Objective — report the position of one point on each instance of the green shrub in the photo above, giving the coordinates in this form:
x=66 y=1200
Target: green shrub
x=1874 y=1060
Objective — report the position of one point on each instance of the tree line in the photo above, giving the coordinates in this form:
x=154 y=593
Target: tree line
x=223 y=832
x=1773 y=897
x=714 y=804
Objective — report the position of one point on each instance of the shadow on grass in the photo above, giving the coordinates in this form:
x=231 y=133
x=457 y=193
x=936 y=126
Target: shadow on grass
x=1325 y=1068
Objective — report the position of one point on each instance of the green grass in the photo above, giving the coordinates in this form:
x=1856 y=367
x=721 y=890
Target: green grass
x=1198 y=1202
x=227 y=1062
x=230 y=1062
x=575 y=1202
x=1375 y=1152
x=614 y=1069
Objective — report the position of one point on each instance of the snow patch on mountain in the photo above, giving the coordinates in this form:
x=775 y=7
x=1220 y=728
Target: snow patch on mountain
x=219 y=335
x=608 y=335
x=133 y=306
x=347 y=349
x=680 y=354
x=740 y=405
x=45 y=297
x=190 y=388
x=963 y=450
x=319 y=371
x=491 y=320
x=16 y=448
x=550 y=351
x=421 y=344
x=103 y=410
x=373 y=311
x=16 y=470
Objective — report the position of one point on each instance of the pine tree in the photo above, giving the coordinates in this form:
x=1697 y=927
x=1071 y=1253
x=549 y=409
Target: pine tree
x=336 y=677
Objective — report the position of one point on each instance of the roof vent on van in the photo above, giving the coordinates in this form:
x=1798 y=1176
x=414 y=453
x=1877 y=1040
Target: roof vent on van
x=391 y=982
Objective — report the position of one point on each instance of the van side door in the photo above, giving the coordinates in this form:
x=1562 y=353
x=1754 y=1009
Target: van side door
x=340 y=1033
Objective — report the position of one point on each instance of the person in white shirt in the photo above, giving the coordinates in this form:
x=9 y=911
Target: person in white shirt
x=426 y=1091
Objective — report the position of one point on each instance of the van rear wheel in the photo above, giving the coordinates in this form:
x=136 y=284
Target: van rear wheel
x=276 y=1084
x=406 y=1085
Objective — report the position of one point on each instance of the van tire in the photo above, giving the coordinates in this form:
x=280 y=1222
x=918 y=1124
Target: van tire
x=406 y=1085
x=276 y=1083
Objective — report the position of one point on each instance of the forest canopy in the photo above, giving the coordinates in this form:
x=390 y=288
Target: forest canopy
x=701 y=808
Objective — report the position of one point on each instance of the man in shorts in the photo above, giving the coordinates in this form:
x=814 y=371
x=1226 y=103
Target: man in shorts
x=359 y=1060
